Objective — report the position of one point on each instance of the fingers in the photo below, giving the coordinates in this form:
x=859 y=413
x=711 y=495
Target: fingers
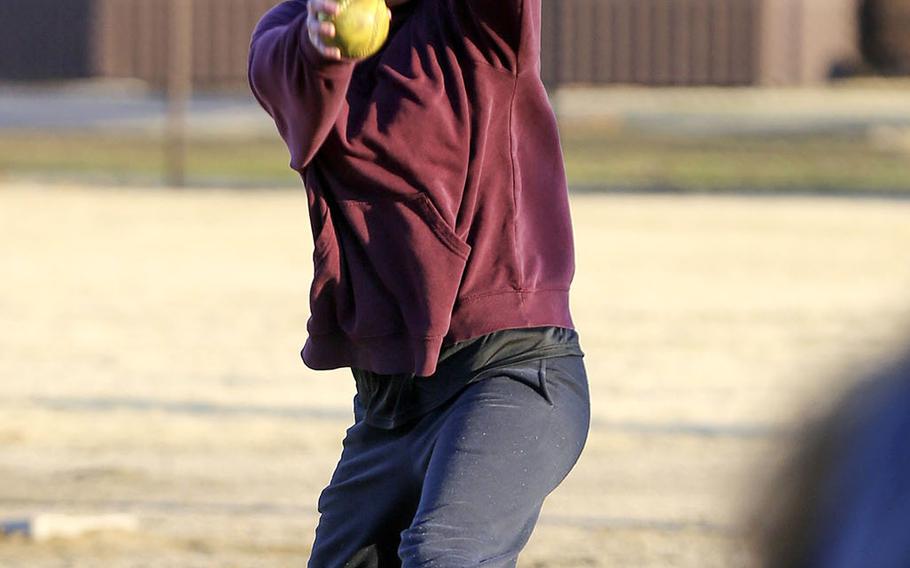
x=325 y=6
x=320 y=32
x=318 y=41
x=323 y=30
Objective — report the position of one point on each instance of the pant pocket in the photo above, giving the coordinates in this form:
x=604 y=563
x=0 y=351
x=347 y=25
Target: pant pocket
x=532 y=374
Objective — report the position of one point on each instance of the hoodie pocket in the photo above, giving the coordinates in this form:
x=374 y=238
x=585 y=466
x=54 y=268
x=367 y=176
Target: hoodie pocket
x=385 y=267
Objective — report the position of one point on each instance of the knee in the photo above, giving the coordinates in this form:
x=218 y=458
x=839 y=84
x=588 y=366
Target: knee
x=437 y=546
x=446 y=546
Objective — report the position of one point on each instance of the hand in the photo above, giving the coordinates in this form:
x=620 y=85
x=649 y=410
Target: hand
x=318 y=31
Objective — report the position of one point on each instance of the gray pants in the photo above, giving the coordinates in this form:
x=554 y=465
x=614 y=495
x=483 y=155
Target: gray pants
x=463 y=485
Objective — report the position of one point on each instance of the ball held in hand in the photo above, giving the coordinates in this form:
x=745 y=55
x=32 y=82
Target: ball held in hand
x=361 y=27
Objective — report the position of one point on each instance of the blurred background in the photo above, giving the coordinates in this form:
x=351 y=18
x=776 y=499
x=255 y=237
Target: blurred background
x=739 y=172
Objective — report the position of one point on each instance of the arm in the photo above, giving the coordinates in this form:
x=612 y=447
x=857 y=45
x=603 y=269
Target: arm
x=300 y=85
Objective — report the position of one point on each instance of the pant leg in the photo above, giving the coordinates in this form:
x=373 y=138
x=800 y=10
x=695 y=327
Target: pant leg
x=371 y=498
x=502 y=448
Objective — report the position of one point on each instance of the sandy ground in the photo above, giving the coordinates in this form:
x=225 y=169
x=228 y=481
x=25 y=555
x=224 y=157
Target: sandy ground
x=149 y=364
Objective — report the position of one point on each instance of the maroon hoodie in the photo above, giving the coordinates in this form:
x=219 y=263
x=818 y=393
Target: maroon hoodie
x=435 y=180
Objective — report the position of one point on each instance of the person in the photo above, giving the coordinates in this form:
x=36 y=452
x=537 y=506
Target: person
x=443 y=259
x=842 y=498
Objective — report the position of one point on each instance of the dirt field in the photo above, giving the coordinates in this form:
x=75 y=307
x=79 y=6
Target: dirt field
x=149 y=364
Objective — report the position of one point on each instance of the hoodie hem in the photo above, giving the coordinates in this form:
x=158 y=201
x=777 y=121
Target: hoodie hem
x=402 y=353
x=387 y=355
x=512 y=309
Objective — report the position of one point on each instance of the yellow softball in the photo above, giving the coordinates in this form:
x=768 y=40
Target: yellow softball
x=361 y=27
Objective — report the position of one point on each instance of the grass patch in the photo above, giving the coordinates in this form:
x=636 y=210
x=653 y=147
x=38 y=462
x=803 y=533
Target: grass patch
x=140 y=159
x=597 y=156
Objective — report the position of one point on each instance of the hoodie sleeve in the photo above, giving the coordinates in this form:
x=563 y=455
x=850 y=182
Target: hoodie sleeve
x=302 y=90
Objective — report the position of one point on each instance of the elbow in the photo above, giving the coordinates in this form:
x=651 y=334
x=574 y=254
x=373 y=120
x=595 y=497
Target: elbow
x=255 y=71
x=260 y=80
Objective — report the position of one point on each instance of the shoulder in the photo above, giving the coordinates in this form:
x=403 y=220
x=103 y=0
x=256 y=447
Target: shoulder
x=494 y=29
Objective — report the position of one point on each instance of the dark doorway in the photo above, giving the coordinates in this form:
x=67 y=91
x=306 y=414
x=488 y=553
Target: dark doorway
x=45 y=39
